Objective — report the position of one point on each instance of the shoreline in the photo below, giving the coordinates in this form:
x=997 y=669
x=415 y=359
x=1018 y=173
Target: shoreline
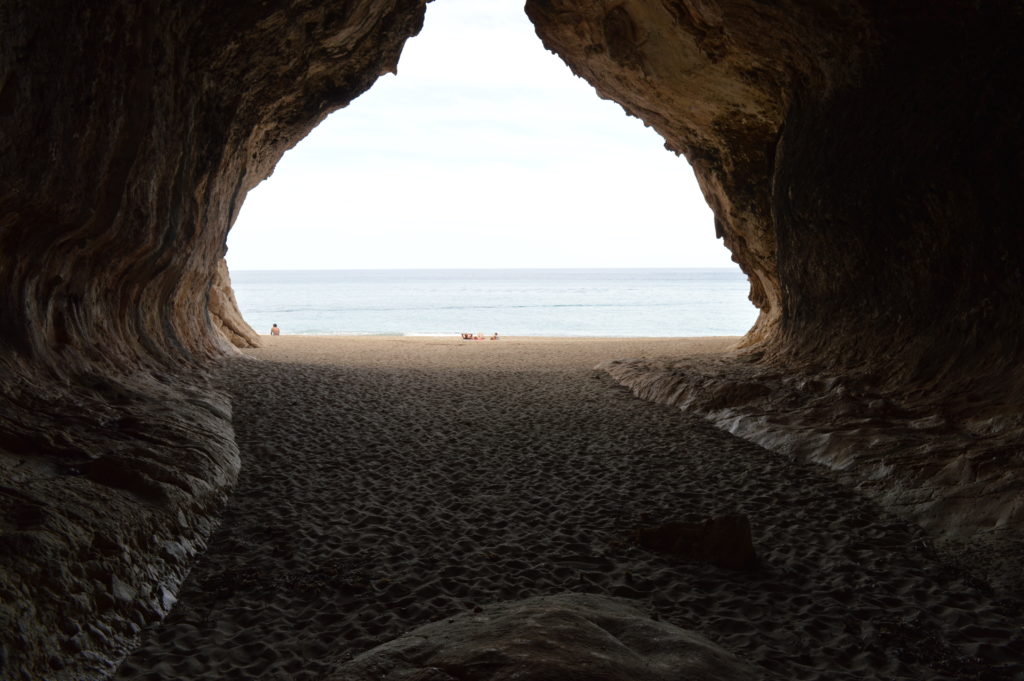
x=455 y=336
x=712 y=343
x=519 y=352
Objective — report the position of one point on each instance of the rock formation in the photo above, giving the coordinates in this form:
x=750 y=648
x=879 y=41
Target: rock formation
x=859 y=166
x=225 y=314
x=862 y=159
x=129 y=136
x=571 y=636
x=958 y=475
x=858 y=157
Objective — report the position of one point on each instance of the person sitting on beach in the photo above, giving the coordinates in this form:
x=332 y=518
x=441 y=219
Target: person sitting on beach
x=495 y=336
x=275 y=331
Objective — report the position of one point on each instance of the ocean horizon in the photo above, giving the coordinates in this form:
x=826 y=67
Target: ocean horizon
x=562 y=302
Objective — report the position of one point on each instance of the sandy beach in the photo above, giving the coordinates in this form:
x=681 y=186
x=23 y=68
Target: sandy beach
x=388 y=482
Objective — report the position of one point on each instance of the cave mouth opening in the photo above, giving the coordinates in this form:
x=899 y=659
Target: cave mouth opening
x=513 y=177
x=861 y=159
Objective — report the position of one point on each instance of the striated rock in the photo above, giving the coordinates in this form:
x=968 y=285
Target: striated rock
x=224 y=311
x=937 y=463
x=129 y=136
x=102 y=511
x=724 y=542
x=860 y=158
x=717 y=83
x=569 y=636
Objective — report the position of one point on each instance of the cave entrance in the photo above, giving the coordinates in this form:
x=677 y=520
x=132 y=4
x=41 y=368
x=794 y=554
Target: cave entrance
x=489 y=186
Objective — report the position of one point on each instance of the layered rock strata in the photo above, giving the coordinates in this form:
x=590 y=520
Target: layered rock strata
x=129 y=136
x=224 y=311
x=861 y=158
x=109 y=492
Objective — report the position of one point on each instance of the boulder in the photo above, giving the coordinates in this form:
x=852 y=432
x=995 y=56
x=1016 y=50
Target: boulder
x=550 y=638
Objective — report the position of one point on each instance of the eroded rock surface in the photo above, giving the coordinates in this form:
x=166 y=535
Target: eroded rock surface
x=225 y=314
x=107 y=496
x=717 y=81
x=129 y=136
x=570 y=636
x=955 y=472
x=859 y=157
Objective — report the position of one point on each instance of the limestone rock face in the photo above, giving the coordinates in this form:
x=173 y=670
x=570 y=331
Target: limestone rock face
x=129 y=135
x=956 y=472
x=107 y=496
x=860 y=158
x=845 y=148
x=570 y=636
x=717 y=80
x=225 y=314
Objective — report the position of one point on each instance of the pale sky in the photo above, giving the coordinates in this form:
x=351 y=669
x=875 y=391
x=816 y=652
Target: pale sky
x=484 y=151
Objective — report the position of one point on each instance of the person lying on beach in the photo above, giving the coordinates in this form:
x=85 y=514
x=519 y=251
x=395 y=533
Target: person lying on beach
x=275 y=331
x=467 y=336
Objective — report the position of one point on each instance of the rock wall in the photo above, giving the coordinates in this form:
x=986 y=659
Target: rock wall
x=861 y=158
x=224 y=311
x=129 y=135
x=961 y=480
x=717 y=80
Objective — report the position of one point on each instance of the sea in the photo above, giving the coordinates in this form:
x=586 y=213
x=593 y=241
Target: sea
x=510 y=302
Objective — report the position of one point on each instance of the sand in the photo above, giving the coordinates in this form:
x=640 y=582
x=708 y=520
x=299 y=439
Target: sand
x=391 y=482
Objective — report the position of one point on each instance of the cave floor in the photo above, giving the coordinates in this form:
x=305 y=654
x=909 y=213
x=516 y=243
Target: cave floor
x=391 y=482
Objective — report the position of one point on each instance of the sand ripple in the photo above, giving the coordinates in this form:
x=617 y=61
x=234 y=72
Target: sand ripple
x=390 y=483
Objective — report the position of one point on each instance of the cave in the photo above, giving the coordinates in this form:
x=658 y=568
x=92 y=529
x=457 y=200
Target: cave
x=861 y=159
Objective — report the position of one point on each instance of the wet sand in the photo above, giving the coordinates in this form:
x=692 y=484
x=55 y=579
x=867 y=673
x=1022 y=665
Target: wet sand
x=390 y=482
